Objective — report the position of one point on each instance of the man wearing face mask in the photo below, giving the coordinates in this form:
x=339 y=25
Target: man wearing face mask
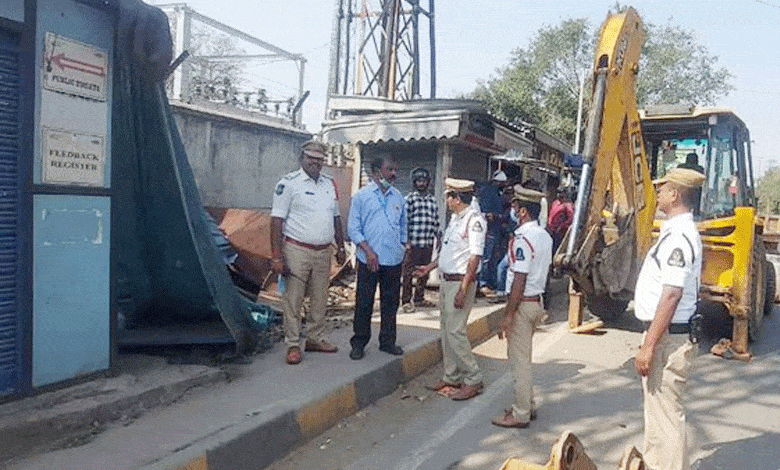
x=422 y=216
x=508 y=225
x=530 y=254
x=377 y=227
x=304 y=223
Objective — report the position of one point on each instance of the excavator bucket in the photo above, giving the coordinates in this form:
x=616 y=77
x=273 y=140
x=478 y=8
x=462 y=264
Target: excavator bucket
x=568 y=454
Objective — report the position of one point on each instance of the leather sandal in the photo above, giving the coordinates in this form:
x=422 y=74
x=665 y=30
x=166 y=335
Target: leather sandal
x=436 y=386
x=467 y=391
x=509 y=421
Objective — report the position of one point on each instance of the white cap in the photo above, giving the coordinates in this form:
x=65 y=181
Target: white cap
x=499 y=176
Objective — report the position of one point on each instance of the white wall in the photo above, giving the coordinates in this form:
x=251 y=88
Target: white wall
x=237 y=164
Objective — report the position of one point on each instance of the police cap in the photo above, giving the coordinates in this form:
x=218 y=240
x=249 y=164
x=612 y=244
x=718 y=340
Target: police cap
x=459 y=185
x=527 y=195
x=682 y=176
x=314 y=149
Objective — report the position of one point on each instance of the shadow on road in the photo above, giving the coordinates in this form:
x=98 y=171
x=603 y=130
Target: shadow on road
x=755 y=453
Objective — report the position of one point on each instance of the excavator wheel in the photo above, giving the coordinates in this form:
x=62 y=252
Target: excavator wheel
x=758 y=294
x=606 y=307
x=769 y=280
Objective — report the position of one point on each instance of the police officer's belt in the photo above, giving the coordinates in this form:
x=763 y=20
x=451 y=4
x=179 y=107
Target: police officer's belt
x=674 y=328
x=452 y=277
x=307 y=245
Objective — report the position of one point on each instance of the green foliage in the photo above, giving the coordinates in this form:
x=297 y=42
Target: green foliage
x=768 y=192
x=674 y=69
x=541 y=83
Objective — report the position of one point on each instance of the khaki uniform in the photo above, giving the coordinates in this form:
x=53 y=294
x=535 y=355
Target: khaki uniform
x=308 y=208
x=464 y=238
x=674 y=260
x=529 y=252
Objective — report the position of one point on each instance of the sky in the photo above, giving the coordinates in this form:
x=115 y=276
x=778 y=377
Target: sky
x=474 y=38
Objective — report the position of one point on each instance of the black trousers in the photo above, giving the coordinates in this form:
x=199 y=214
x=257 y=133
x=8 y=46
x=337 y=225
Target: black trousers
x=417 y=256
x=389 y=280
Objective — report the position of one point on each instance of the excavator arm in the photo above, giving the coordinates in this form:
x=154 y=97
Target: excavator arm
x=615 y=206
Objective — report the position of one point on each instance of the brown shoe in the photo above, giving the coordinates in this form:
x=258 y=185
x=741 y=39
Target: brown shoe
x=320 y=346
x=294 y=355
x=436 y=386
x=467 y=391
x=509 y=421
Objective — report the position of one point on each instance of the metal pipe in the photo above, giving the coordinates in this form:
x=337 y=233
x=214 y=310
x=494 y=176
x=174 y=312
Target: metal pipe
x=584 y=181
x=433 y=49
x=416 y=49
x=591 y=143
x=347 y=44
x=335 y=49
x=182 y=57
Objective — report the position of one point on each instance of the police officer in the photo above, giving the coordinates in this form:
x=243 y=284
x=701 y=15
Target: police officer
x=304 y=223
x=530 y=255
x=459 y=260
x=665 y=300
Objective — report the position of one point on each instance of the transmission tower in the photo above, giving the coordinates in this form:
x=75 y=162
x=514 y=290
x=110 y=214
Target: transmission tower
x=375 y=48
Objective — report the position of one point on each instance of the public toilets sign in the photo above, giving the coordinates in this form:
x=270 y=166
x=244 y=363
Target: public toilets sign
x=75 y=68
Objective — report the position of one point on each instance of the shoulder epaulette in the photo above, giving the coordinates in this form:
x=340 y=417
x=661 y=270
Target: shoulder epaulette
x=293 y=174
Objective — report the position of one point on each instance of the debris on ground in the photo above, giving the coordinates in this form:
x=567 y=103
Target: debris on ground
x=723 y=349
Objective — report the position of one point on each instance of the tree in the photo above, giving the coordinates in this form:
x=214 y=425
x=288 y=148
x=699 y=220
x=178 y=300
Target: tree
x=541 y=83
x=674 y=69
x=768 y=192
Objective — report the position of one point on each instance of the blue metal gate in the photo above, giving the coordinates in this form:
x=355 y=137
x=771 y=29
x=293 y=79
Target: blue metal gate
x=10 y=331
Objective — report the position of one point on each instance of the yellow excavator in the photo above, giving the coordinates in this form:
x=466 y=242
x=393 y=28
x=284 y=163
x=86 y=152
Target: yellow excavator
x=615 y=212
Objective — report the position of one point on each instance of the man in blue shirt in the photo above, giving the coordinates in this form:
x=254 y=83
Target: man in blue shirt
x=377 y=227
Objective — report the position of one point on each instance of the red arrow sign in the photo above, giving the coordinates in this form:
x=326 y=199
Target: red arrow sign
x=68 y=63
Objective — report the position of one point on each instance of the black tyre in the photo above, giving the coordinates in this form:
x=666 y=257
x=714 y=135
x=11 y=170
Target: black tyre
x=606 y=307
x=769 y=280
x=757 y=293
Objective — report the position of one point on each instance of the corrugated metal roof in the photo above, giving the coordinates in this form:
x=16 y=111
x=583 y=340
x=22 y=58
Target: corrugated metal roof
x=368 y=119
x=395 y=126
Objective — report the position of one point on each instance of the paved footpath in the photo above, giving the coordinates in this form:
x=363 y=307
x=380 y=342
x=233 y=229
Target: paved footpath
x=585 y=384
x=267 y=408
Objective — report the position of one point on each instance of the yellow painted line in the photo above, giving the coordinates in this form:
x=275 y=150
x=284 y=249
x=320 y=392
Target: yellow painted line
x=478 y=330
x=418 y=361
x=201 y=463
x=322 y=414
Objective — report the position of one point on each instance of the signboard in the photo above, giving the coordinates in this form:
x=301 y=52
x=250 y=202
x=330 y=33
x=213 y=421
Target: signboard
x=73 y=159
x=74 y=68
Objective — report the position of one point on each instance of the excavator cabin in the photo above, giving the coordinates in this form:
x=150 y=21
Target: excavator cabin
x=716 y=142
